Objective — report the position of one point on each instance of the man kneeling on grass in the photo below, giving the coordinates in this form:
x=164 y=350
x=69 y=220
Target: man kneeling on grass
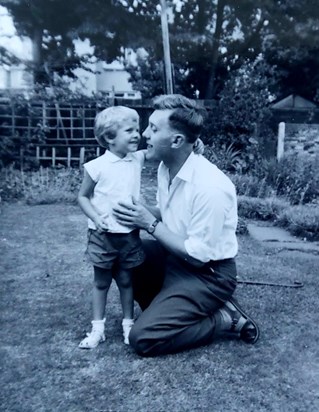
x=185 y=285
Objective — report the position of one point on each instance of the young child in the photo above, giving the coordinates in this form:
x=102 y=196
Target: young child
x=113 y=249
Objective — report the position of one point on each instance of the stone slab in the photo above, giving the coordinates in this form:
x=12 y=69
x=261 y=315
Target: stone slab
x=277 y=237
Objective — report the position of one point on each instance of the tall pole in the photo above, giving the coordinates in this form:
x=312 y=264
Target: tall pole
x=167 y=55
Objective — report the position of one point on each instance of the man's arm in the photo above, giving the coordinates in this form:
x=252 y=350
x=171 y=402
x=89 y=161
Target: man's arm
x=174 y=244
x=139 y=216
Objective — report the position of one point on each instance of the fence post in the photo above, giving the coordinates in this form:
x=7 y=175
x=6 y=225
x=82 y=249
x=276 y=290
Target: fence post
x=37 y=153
x=29 y=121
x=13 y=119
x=98 y=151
x=69 y=156
x=281 y=140
x=21 y=157
x=82 y=153
x=44 y=115
x=53 y=156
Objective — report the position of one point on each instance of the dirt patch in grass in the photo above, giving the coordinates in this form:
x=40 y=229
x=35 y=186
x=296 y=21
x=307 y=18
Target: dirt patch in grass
x=46 y=310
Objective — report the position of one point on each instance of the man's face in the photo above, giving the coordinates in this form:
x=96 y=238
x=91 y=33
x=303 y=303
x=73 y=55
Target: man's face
x=159 y=135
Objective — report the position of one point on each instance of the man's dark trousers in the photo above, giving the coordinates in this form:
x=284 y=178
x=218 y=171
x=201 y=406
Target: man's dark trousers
x=178 y=301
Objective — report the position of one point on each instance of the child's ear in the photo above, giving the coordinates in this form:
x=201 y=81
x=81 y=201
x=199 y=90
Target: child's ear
x=108 y=141
x=178 y=141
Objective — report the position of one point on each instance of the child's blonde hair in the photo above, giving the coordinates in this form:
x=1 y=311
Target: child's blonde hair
x=107 y=122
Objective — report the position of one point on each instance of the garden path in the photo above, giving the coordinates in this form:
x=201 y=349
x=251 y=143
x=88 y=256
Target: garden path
x=272 y=236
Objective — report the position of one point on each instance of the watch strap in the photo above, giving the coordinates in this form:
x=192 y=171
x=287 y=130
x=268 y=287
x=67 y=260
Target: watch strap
x=151 y=228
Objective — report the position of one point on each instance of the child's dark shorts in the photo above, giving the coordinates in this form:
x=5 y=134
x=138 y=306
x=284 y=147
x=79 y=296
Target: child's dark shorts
x=106 y=249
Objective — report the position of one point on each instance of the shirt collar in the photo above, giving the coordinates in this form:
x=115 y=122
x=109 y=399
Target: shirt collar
x=187 y=170
x=113 y=158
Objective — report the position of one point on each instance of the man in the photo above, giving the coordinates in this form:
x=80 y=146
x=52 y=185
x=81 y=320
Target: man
x=186 y=283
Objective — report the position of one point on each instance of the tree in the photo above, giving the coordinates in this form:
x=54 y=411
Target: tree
x=292 y=45
x=52 y=25
x=242 y=117
x=210 y=39
x=203 y=42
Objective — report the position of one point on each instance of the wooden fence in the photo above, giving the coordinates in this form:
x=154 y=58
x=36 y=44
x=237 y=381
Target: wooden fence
x=66 y=156
x=56 y=122
x=53 y=133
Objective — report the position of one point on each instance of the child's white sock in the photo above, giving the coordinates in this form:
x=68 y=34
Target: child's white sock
x=98 y=325
x=127 y=326
x=95 y=336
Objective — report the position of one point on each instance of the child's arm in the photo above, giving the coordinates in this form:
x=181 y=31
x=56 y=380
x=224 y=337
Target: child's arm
x=84 y=195
x=144 y=151
x=198 y=146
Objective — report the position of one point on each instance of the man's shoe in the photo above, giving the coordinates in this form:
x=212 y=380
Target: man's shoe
x=242 y=326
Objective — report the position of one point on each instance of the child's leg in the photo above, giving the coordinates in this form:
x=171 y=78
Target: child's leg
x=124 y=283
x=102 y=282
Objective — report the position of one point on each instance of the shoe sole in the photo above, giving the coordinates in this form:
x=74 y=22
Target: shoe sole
x=244 y=314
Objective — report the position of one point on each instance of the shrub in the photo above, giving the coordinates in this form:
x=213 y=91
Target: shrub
x=249 y=185
x=243 y=112
x=242 y=228
x=302 y=221
x=44 y=186
x=225 y=158
x=263 y=209
x=295 y=176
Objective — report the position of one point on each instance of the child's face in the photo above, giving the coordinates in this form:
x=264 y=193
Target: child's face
x=127 y=138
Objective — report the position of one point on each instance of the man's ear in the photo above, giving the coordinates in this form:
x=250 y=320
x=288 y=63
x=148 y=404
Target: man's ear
x=178 y=141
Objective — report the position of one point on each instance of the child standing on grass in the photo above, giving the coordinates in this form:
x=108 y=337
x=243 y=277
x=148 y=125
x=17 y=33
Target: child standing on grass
x=113 y=249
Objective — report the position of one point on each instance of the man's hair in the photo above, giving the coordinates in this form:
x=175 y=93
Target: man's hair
x=187 y=116
x=108 y=121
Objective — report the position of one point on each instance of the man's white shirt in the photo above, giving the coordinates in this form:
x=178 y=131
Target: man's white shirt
x=200 y=204
x=116 y=179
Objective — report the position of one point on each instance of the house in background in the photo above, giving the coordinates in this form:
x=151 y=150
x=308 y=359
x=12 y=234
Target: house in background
x=111 y=79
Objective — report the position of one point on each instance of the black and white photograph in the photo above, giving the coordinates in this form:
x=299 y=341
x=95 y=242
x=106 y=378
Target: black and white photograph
x=159 y=205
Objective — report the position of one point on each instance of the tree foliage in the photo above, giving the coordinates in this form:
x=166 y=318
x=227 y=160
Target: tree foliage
x=241 y=118
x=210 y=39
x=52 y=25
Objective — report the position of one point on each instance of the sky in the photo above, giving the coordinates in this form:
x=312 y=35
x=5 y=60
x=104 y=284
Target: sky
x=22 y=48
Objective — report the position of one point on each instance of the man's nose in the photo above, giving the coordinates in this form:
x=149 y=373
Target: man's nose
x=146 y=133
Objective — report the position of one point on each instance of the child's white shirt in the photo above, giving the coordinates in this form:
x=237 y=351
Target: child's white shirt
x=116 y=179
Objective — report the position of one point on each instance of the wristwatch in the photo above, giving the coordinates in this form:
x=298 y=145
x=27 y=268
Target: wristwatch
x=152 y=227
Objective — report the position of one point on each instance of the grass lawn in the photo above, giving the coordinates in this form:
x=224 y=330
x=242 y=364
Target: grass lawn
x=46 y=310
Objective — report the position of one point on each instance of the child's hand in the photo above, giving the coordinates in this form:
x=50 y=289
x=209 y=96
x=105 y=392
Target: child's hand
x=101 y=223
x=198 y=147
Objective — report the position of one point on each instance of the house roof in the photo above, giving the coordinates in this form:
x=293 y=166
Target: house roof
x=293 y=101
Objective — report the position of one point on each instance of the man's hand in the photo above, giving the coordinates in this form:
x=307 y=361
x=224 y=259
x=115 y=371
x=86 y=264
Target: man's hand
x=133 y=214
